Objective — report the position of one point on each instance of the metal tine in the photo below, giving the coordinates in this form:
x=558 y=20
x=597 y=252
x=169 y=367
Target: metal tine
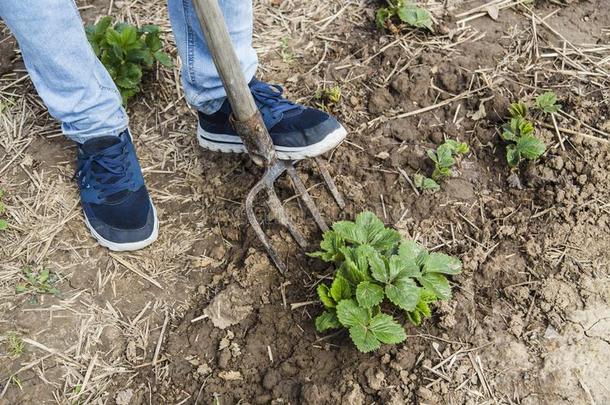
x=330 y=183
x=304 y=194
x=280 y=215
x=258 y=230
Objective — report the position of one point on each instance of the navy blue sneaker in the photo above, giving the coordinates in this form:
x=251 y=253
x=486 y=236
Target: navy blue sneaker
x=297 y=131
x=117 y=207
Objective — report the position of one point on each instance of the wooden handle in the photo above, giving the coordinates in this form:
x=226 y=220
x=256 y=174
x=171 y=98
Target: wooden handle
x=219 y=42
x=247 y=119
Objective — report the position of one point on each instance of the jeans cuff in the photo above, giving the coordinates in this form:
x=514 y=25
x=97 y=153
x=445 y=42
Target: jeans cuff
x=211 y=106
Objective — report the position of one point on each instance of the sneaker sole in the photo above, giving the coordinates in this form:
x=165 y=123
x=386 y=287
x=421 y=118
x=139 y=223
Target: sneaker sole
x=226 y=143
x=130 y=246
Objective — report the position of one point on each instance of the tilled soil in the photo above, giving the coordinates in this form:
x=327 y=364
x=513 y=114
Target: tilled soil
x=529 y=316
x=528 y=323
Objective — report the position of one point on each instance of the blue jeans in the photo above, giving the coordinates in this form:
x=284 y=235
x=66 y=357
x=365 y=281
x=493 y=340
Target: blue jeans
x=75 y=86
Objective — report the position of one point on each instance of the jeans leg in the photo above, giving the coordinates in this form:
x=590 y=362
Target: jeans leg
x=202 y=85
x=72 y=82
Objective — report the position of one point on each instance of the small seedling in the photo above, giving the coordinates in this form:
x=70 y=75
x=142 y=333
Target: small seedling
x=518 y=110
x=42 y=282
x=444 y=159
x=406 y=14
x=15 y=344
x=285 y=52
x=15 y=380
x=520 y=132
x=377 y=271
x=547 y=103
x=3 y=223
x=328 y=97
x=126 y=51
x=425 y=183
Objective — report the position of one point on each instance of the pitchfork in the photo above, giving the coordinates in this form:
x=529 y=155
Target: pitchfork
x=248 y=123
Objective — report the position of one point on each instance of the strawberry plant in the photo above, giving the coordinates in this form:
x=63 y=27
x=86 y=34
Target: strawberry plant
x=39 y=282
x=378 y=274
x=126 y=51
x=519 y=131
x=444 y=159
x=547 y=103
x=402 y=13
x=328 y=97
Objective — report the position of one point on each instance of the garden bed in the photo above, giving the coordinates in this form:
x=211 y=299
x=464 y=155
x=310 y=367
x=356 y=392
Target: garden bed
x=528 y=322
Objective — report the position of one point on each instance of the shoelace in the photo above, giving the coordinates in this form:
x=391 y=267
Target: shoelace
x=106 y=171
x=270 y=96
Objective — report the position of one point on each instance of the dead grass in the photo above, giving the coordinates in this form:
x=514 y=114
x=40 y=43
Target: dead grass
x=114 y=311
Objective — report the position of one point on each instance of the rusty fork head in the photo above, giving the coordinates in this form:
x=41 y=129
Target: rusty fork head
x=266 y=183
x=262 y=152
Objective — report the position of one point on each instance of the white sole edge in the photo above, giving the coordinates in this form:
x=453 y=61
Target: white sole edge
x=130 y=246
x=331 y=141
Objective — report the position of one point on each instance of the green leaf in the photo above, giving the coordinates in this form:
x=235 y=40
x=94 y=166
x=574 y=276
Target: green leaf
x=331 y=246
x=369 y=294
x=327 y=320
x=128 y=36
x=379 y=269
x=43 y=276
x=3 y=225
x=530 y=147
x=126 y=94
x=150 y=29
x=424 y=309
x=513 y=157
x=457 y=147
x=427 y=296
x=510 y=130
x=153 y=42
x=382 y=15
x=525 y=127
x=163 y=59
x=340 y=289
x=350 y=232
x=355 y=267
x=425 y=183
x=547 y=102
x=444 y=156
x=113 y=38
x=325 y=298
x=129 y=76
x=442 y=263
x=386 y=329
x=415 y=16
x=377 y=235
x=142 y=56
x=350 y=314
x=103 y=24
x=404 y=293
x=436 y=283
x=370 y=223
x=363 y=338
x=518 y=110
x=400 y=266
x=20 y=288
x=415 y=317
x=411 y=250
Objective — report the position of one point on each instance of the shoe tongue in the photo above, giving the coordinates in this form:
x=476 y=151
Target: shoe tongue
x=95 y=145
